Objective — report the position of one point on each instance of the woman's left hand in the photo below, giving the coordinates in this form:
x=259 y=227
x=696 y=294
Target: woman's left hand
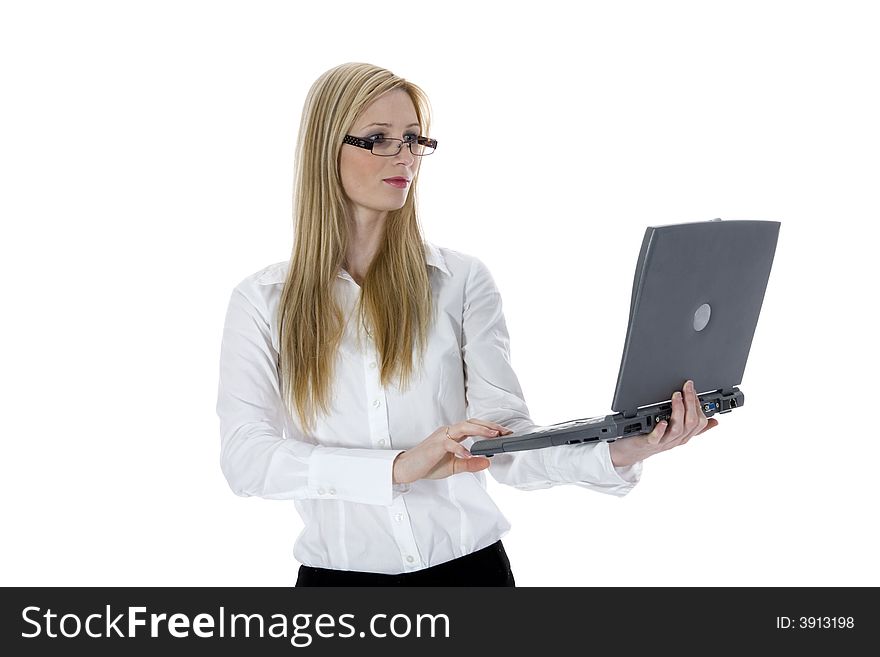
x=687 y=421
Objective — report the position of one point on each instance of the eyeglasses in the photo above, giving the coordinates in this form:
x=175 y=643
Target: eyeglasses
x=389 y=146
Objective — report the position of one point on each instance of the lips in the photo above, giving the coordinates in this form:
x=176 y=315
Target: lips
x=396 y=179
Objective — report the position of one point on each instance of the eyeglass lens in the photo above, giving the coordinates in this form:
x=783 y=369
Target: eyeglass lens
x=388 y=146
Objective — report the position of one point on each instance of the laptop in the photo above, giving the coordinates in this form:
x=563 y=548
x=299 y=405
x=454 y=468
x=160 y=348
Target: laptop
x=696 y=296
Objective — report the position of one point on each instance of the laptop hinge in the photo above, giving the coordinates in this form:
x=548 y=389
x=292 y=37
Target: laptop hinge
x=629 y=414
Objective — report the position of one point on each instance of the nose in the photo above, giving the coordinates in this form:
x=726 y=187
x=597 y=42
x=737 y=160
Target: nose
x=404 y=156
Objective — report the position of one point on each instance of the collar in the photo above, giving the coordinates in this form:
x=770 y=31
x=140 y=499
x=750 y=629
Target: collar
x=433 y=257
x=277 y=272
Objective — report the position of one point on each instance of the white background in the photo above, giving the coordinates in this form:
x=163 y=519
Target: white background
x=147 y=154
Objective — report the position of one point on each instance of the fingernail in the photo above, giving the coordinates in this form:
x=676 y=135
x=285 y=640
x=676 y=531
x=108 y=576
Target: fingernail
x=677 y=395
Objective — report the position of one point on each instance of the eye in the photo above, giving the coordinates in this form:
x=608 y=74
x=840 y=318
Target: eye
x=412 y=136
x=380 y=136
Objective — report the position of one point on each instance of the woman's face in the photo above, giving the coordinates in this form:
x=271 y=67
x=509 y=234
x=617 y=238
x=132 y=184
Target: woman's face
x=363 y=174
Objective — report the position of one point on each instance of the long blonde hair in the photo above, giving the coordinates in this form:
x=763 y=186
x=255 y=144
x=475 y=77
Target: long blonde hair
x=396 y=299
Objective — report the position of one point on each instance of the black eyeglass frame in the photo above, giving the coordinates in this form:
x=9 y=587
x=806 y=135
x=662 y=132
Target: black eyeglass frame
x=366 y=143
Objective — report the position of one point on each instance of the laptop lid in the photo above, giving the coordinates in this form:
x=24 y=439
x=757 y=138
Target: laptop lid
x=696 y=296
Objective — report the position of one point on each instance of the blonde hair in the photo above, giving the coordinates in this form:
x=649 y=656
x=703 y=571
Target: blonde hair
x=396 y=299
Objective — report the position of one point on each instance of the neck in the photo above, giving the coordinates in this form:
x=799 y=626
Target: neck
x=366 y=231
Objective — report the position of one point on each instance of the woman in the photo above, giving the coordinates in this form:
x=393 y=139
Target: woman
x=320 y=400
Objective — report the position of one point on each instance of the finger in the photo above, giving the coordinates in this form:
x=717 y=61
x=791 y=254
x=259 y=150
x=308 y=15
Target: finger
x=693 y=412
x=470 y=464
x=462 y=430
x=491 y=425
x=676 y=421
x=657 y=434
x=693 y=406
x=700 y=409
x=704 y=420
x=475 y=464
x=458 y=465
x=458 y=449
x=698 y=421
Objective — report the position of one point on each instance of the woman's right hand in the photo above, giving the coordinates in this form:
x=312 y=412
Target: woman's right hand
x=437 y=456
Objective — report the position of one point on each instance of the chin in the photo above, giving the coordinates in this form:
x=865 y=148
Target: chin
x=390 y=207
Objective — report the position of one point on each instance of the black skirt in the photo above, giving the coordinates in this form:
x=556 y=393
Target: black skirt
x=487 y=567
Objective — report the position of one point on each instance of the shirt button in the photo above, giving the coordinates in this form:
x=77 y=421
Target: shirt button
x=398 y=517
x=376 y=403
x=409 y=558
x=373 y=365
x=382 y=443
x=333 y=491
x=320 y=491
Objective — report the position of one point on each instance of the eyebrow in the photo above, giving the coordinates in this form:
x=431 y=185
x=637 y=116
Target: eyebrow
x=388 y=125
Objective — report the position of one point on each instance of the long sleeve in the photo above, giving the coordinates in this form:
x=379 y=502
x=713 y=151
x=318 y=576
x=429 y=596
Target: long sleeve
x=493 y=393
x=255 y=457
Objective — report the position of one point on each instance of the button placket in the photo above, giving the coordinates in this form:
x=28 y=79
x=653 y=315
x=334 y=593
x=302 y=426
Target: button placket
x=376 y=400
x=380 y=436
x=403 y=535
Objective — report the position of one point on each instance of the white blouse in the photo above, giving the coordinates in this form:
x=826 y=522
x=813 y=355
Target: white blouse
x=339 y=476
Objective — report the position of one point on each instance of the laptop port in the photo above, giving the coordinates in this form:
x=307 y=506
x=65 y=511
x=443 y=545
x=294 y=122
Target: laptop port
x=629 y=428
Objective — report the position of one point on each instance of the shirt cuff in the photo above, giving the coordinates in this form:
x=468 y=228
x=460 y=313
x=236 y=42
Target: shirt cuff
x=354 y=475
x=628 y=474
x=589 y=465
